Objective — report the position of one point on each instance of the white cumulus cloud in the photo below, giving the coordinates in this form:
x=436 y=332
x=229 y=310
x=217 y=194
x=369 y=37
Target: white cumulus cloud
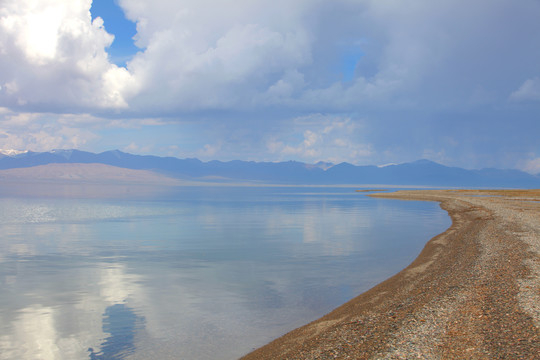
x=53 y=57
x=327 y=138
x=529 y=90
x=531 y=166
x=208 y=54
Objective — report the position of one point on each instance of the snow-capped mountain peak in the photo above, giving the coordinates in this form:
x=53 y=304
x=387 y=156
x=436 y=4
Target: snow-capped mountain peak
x=11 y=152
x=386 y=165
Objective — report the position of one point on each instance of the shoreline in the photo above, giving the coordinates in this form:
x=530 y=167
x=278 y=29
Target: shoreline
x=473 y=292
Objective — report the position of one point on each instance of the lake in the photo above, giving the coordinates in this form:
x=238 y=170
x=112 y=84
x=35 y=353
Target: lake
x=192 y=272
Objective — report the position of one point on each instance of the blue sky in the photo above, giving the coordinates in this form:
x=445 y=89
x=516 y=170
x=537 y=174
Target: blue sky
x=362 y=81
x=123 y=47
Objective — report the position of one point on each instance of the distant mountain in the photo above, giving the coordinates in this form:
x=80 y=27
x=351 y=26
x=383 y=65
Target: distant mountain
x=85 y=173
x=420 y=173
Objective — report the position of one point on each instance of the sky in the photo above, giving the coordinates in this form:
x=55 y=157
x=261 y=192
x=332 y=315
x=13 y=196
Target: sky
x=361 y=81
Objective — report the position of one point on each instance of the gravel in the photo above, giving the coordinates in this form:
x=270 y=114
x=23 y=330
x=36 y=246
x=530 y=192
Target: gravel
x=473 y=292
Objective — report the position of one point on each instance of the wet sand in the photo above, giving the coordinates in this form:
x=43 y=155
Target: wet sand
x=472 y=293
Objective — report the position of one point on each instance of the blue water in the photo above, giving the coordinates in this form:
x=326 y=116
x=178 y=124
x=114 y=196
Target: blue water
x=194 y=272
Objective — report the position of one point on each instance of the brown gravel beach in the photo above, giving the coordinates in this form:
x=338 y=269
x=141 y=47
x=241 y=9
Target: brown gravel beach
x=472 y=293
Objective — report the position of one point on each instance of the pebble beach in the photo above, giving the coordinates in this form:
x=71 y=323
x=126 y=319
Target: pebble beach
x=472 y=293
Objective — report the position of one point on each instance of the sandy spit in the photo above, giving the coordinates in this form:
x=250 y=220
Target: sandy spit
x=472 y=293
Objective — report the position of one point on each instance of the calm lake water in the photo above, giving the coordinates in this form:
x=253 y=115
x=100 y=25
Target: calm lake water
x=196 y=273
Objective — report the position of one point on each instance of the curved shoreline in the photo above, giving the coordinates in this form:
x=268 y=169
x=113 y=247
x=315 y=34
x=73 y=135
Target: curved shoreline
x=473 y=291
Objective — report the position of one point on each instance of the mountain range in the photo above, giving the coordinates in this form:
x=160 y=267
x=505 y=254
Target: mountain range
x=418 y=173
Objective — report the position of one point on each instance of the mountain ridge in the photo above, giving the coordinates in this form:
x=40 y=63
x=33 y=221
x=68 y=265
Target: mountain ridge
x=85 y=173
x=422 y=172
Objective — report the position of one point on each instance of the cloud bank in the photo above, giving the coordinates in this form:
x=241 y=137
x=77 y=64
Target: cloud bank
x=199 y=55
x=265 y=64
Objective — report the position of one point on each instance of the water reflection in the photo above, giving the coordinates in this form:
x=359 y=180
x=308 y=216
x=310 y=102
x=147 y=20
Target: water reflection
x=53 y=312
x=120 y=322
x=200 y=276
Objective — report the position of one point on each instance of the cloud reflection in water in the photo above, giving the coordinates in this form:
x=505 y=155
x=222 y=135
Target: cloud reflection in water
x=190 y=277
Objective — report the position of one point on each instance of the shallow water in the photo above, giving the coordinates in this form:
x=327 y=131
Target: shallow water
x=194 y=273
